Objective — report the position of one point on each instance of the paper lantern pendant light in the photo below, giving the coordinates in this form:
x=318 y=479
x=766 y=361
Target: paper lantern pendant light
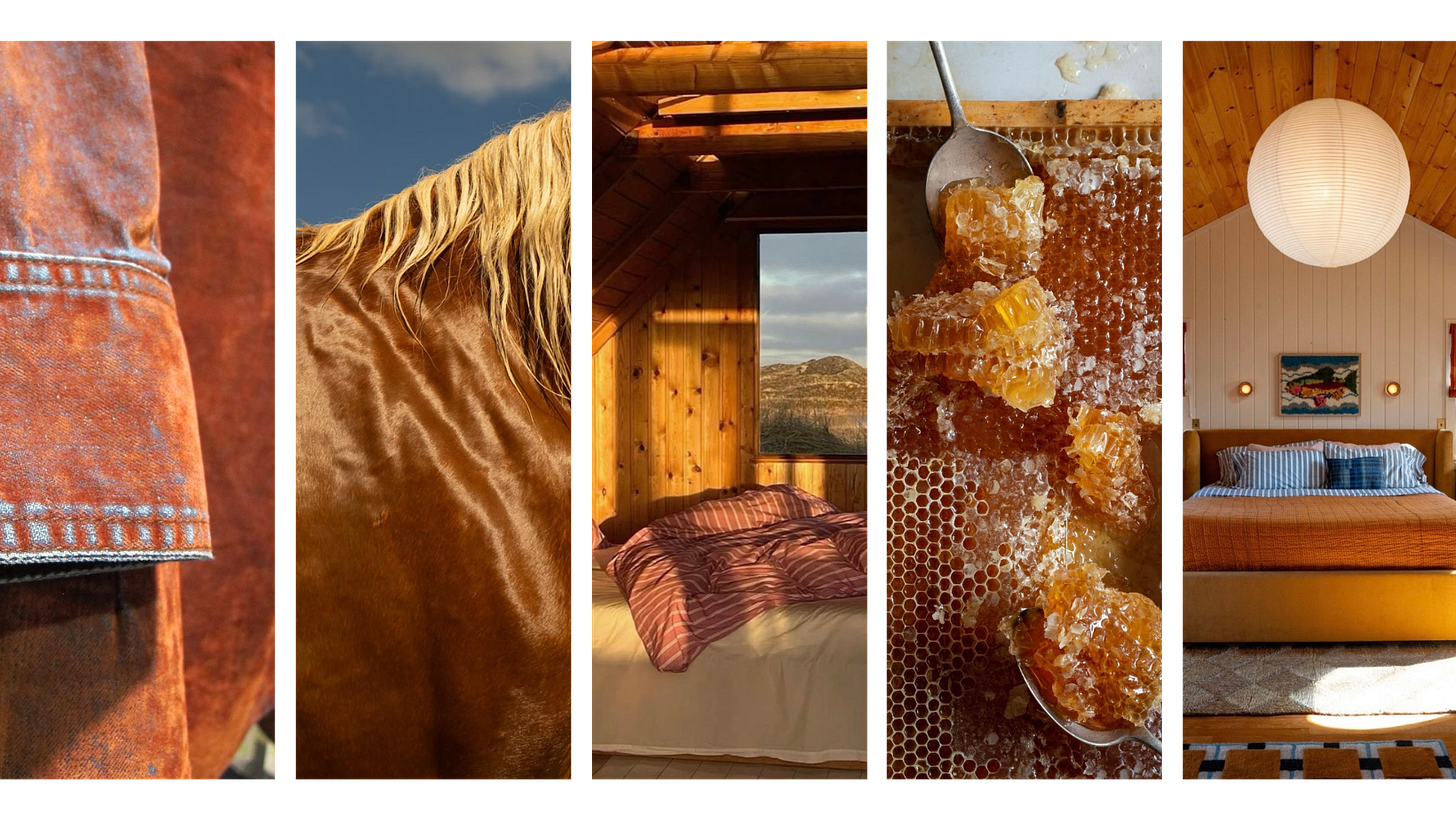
x=1328 y=183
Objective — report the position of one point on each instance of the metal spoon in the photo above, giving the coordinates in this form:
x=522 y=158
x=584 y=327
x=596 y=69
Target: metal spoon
x=1091 y=737
x=971 y=152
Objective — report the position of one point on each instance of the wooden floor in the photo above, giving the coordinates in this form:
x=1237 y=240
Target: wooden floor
x=1326 y=728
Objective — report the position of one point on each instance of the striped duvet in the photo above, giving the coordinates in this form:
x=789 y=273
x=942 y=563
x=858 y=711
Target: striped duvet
x=694 y=577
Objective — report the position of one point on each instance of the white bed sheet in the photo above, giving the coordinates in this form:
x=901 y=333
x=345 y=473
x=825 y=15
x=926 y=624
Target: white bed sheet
x=790 y=684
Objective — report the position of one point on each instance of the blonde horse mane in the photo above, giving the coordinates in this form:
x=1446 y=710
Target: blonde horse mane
x=511 y=201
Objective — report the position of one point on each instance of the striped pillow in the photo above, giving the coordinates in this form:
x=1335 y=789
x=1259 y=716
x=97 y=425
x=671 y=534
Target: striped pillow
x=1357 y=473
x=1228 y=470
x=1405 y=466
x=1281 y=470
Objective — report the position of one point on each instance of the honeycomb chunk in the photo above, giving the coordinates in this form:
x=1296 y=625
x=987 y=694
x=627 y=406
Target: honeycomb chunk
x=995 y=230
x=1095 y=650
x=1010 y=343
x=1109 y=473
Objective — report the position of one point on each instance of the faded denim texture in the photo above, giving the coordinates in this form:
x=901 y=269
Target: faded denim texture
x=101 y=464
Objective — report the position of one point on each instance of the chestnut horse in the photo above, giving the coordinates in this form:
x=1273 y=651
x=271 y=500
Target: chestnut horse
x=433 y=412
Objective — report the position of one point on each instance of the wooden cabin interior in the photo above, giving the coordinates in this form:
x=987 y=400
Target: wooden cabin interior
x=698 y=149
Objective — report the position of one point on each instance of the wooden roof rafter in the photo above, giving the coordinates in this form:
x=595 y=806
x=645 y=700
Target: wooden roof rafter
x=731 y=67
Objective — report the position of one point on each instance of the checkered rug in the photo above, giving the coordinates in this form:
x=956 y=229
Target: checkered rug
x=1351 y=760
x=1320 y=679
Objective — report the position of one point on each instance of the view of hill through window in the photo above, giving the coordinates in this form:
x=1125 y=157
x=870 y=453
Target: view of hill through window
x=812 y=295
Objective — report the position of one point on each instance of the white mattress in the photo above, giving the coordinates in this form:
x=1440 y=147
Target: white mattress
x=790 y=684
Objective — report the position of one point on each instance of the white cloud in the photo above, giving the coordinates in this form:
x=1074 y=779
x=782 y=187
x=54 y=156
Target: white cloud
x=318 y=120
x=479 y=72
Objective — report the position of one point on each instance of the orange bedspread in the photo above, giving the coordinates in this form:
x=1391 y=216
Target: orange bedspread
x=1319 y=533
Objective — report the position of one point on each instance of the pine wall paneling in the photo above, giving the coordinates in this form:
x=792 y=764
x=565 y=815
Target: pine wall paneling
x=675 y=398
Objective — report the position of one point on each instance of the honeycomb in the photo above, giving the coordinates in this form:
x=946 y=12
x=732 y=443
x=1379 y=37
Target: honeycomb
x=983 y=505
x=1095 y=650
x=1010 y=342
x=1109 y=472
x=996 y=230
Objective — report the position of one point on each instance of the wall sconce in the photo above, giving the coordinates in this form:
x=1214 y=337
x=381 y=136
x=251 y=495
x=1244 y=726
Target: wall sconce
x=1392 y=389
x=1246 y=389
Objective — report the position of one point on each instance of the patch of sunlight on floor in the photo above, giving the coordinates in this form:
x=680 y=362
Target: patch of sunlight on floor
x=1370 y=723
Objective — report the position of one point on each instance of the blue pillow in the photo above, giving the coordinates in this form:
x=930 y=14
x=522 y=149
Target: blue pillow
x=1281 y=469
x=1367 y=473
x=1404 y=467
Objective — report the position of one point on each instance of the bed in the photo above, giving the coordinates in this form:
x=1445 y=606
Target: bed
x=789 y=683
x=1319 y=568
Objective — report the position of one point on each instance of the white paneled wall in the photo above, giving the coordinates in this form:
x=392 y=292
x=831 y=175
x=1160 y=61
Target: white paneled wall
x=1246 y=303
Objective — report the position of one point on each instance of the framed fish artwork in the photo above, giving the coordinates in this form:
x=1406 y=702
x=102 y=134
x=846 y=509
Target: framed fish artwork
x=1319 y=385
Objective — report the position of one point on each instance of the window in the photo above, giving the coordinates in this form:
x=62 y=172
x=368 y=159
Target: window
x=812 y=297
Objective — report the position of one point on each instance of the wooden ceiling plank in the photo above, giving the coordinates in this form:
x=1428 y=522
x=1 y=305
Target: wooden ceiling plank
x=1407 y=76
x=739 y=67
x=705 y=227
x=1423 y=187
x=1214 y=60
x=1241 y=72
x=1196 y=93
x=626 y=247
x=1428 y=92
x=779 y=173
x=1345 y=72
x=1385 y=66
x=1367 y=56
x=1438 y=206
x=1194 y=146
x=766 y=102
x=1284 y=79
x=1326 y=68
x=801 y=206
x=619 y=114
x=1261 y=61
x=1438 y=121
x=754 y=138
x=1304 y=72
x=608 y=173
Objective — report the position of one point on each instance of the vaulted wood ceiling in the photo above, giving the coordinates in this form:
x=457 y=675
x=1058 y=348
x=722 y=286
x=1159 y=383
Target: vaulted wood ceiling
x=689 y=135
x=1233 y=91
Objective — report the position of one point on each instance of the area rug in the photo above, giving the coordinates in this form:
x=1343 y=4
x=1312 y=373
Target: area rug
x=1320 y=679
x=1350 y=760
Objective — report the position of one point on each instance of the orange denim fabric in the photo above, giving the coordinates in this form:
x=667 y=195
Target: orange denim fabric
x=99 y=455
x=214 y=111
x=99 y=458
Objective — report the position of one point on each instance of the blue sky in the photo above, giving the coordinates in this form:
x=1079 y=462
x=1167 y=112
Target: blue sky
x=373 y=116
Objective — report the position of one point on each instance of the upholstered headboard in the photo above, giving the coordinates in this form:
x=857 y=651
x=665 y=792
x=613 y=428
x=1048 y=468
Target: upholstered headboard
x=1200 y=450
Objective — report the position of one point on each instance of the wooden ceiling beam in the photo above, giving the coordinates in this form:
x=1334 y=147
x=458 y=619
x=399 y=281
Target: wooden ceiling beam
x=802 y=206
x=626 y=247
x=765 y=102
x=755 y=138
x=730 y=67
x=609 y=172
x=778 y=173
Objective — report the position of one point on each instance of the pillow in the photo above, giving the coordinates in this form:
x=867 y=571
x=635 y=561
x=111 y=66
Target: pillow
x=750 y=509
x=1228 y=473
x=1285 y=469
x=1405 y=466
x=1367 y=473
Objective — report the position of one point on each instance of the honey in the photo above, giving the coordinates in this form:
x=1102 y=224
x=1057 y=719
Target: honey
x=996 y=230
x=1108 y=472
x=984 y=506
x=1011 y=342
x=1096 y=651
